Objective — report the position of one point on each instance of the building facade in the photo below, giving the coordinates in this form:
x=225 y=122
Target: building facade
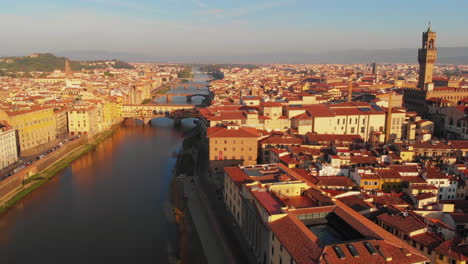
x=8 y=146
x=36 y=126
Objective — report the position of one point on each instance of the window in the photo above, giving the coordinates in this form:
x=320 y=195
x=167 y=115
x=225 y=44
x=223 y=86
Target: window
x=362 y=129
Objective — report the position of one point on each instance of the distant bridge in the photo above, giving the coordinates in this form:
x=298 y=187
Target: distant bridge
x=190 y=85
x=188 y=96
x=147 y=112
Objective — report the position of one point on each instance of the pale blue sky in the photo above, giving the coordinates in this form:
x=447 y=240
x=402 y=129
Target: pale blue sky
x=210 y=27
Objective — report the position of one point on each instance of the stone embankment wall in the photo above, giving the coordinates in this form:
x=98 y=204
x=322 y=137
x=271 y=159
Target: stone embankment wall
x=15 y=181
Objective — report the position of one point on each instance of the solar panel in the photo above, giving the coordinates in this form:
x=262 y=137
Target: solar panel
x=353 y=250
x=371 y=248
x=364 y=109
x=339 y=252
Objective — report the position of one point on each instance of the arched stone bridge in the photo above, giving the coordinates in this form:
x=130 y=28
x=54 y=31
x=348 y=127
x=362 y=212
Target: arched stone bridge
x=190 y=85
x=148 y=112
x=188 y=96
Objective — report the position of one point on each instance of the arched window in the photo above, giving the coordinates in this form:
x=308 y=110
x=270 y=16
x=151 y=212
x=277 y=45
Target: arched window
x=431 y=44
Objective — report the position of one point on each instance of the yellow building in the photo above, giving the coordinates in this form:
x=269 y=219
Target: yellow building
x=232 y=146
x=390 y=178
x=397 y=122
x=35 y=124
x=367 y=179
x=83 y=120
x=351 y=118
x=8 y=146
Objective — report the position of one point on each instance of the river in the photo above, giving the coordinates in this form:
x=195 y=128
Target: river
x=112 y=205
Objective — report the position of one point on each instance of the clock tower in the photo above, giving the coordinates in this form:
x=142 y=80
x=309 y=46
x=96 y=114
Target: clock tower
x=427 y=56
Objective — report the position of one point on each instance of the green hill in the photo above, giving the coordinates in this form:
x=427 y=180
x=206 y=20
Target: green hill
x=48 y=62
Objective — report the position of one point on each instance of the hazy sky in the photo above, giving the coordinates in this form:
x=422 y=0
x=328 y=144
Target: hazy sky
x=214 y=27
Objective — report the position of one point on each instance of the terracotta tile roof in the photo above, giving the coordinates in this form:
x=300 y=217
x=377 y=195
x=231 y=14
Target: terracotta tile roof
x=428 y=239
x=406 y=224
x=413 y=179
x=388 y=173
x=459 y=144
x=386 y=253
x=424 y=196
x=388 y=200
x=429 y=145
x=297 y=239
x=356 y=202
x=281 y=140
x=435 y=173
x=343 y=181
x=328 y=138
x=363 y=160
x=405 y=168
x=237 y=175
x=222 y=132
x=454 y=248
x=268 y=201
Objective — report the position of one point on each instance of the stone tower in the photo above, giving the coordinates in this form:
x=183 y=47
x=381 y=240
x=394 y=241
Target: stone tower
x=427 y=56
x=350 y=87
x=68 y=71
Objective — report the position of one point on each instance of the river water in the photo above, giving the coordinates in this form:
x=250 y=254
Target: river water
x=112 y=205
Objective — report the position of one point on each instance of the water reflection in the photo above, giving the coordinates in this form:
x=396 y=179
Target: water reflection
x=110 y=206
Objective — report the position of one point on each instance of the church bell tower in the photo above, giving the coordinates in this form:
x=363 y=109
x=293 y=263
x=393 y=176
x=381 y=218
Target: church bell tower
x=427 y=56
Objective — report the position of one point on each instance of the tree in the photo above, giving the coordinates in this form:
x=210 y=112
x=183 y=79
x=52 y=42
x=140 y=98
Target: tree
x=185 y=73
x=107 y=73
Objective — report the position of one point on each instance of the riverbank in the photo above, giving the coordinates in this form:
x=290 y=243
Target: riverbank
x=189 y=245
x=37 y=180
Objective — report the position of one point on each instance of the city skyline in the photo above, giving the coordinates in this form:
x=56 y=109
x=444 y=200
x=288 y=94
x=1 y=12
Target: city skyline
x=211 y=28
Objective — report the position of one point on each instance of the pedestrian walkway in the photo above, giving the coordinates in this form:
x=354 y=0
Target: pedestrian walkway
x=213 y=242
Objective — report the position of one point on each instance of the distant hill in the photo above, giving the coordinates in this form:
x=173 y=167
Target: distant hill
x=47 y=62
x=447 y=55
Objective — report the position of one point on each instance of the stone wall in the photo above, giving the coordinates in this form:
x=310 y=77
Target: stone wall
x=15 y=181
